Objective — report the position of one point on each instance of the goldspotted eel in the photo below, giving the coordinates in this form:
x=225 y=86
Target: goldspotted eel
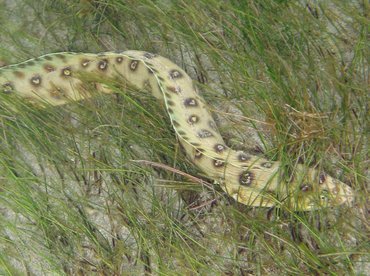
x=251 y=180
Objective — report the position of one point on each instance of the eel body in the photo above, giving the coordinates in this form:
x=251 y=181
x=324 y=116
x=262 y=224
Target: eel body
x=58 y=78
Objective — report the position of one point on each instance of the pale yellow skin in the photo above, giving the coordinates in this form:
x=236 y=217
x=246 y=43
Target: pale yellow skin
x=59 y=78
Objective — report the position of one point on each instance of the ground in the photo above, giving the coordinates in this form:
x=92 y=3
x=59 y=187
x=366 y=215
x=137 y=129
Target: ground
x=284 y=80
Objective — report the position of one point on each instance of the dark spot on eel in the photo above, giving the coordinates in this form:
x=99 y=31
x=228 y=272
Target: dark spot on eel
x=204 y=133
x=246 y=178
x=266 y=165
x=119 y=60
x=19 y=74
x=175 y=74
x=198 y=153
x=243 y=157
x=8 y=87
x=173 y=89
x=103 y=64
x=170 y=103
x=36 y=80
x=85 y=63
x=322 y=178
x=49 y=68
x=133 y=65
x=149 y=55
x=218 y=163
x=305 y=187
x=190 y=102
x=66 y=72
x=193 y=119
x=219 y=148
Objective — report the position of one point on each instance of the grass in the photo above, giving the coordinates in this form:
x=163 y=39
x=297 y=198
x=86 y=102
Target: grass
x=286 y=79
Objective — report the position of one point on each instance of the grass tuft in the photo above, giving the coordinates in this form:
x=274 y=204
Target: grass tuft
x=286 y=78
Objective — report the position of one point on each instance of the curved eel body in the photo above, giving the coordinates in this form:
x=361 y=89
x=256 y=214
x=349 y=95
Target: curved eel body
x=57 y=79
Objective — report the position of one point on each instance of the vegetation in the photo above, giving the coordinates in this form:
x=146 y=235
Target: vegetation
x=286 y=79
